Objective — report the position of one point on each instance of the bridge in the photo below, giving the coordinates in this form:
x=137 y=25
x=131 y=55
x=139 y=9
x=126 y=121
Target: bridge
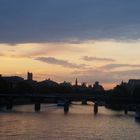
x=10 y=100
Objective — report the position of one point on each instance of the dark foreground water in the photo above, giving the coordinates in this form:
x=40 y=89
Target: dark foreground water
x=79 y=124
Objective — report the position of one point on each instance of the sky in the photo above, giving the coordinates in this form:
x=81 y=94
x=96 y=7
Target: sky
x=92 y=40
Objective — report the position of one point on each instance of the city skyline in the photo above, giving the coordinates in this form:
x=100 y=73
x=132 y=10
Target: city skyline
x=89 y=40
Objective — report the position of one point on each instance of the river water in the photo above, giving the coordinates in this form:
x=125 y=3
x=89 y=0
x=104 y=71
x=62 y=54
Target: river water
x=22 y=123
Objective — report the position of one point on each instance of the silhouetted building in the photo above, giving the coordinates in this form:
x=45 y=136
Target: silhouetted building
x=84 y=85
x=132 y=83
x=65 y=84
x=30 y=76
x=47 y=86
x=76 y=82
x=48 y=83
x=13 y=81
x=98 y=87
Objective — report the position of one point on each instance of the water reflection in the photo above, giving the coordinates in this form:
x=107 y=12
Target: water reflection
x=80 y=123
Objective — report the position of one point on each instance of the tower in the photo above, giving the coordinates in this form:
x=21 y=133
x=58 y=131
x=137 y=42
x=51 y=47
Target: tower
x=76 y=82
x=29 y=76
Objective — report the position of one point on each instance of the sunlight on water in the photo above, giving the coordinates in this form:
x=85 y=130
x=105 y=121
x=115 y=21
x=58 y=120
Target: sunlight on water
x=79 y=124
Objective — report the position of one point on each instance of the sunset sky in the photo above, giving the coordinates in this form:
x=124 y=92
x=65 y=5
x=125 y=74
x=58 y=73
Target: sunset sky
x=92 y=40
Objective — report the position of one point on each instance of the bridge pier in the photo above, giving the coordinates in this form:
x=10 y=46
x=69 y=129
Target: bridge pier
x=84 y=102
x=9 y=106
x=137 y=113
x=66 y=107
x=125 y=111
x=37 y=107
x=9 y=103
x=95 y=108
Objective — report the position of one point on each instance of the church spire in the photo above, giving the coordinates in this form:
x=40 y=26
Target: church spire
x=76 y=82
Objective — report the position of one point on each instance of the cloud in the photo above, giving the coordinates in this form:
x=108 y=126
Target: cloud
x=32 y=50
x=113 y=66
x=1 y=54
x=92 y=75
x=68 y=20
x=64 y=63
x=87 y=58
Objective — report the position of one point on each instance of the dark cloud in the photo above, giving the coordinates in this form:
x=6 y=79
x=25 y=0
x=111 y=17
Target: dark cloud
x=23 y=21
x=91 y=58
x=64 y=63
x=113 y=66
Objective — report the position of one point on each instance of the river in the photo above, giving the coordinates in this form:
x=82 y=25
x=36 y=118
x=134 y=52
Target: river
x=22 y=123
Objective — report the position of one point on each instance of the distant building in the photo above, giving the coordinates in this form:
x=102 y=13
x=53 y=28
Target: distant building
x=76 y=82
x=65 y=84
x=47 y=83
x=97 y=86
x=13 y=81
x=132 y=84
x=30 y=76
x=84 y=85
